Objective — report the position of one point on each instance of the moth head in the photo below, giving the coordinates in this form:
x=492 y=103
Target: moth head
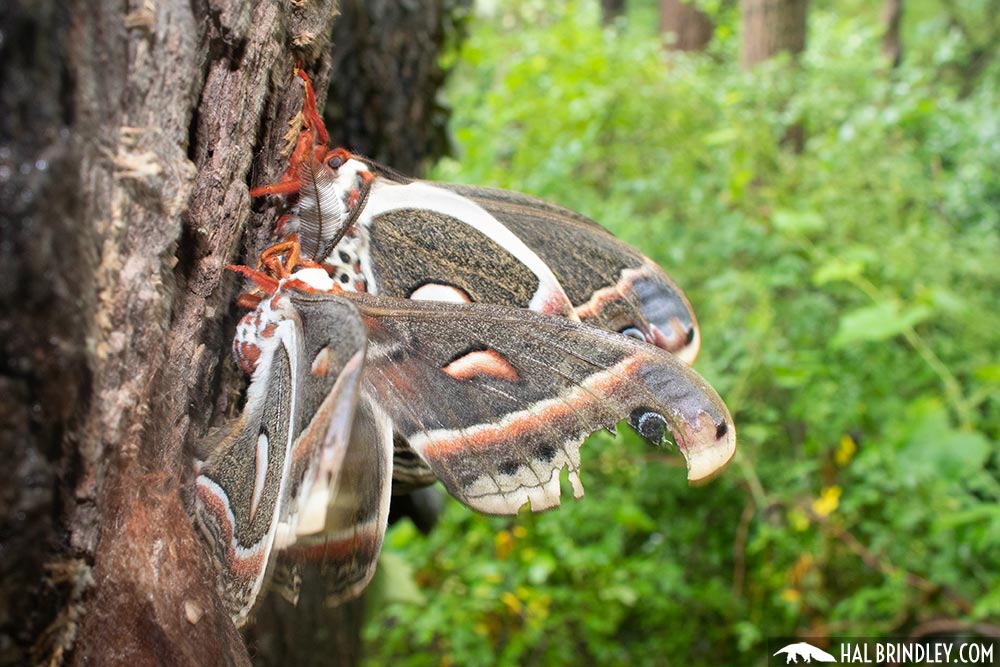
x=348 y=171
x=336 y=158
x=332 y=192
x=281 y=266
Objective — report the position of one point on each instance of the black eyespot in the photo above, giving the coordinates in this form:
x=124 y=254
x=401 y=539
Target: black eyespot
x=632 y=332
x=721 y=430
x=649 y=424
x=335 y=162
x=690 y=336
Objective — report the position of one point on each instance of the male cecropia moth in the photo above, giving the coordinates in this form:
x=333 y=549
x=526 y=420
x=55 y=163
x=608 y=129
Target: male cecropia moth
x=412 y=331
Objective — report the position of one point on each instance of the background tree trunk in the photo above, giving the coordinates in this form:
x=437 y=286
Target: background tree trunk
x=385 y=100
x=892 y=19
x=130 y=134
x=611 y=10
x=691 y=27
x=770 y=27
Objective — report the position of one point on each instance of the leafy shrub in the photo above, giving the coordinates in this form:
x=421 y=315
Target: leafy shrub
x=848 y=296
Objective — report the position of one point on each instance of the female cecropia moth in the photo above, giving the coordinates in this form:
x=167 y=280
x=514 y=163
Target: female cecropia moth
x=411 y=331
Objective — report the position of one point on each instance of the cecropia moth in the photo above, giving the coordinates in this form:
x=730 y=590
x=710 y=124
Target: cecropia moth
x=414 y=331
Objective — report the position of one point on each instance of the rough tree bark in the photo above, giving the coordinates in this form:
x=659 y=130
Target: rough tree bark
x=770 y=27
x=691 y=27
x=162 y=107
x=129 y=133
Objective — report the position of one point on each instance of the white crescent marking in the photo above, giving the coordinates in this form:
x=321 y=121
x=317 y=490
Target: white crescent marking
x=387 y=197
x=260 y=473
x=436 y=292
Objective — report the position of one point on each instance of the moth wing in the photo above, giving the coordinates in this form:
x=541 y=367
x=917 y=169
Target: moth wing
x=334 y=343
x=498 y=400
x=427 y=242
x=610 y=284
x=348 y=546
x=268 y=468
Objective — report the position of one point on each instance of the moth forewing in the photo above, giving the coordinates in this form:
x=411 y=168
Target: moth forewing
x=610 y=284
x=442 y=204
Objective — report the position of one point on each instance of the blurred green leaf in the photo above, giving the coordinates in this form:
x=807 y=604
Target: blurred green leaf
x=878 y=322
x=801 y=222
x=393 y=582
x=838 y=269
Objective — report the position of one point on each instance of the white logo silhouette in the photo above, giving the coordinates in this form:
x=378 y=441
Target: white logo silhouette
x=807 y=652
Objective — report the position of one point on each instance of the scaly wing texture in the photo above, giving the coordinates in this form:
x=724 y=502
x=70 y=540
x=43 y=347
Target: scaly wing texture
x=498 y=400
x=270 y=474
x=610 y=284
x=347 y=548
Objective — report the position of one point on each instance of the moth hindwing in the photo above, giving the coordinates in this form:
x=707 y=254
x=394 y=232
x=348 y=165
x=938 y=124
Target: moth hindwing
x=497 y=400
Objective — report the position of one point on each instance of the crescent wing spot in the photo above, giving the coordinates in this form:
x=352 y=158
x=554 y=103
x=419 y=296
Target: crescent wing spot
x=482 y=362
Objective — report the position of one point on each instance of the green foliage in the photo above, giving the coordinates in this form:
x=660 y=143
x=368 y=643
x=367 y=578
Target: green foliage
x=848 y=297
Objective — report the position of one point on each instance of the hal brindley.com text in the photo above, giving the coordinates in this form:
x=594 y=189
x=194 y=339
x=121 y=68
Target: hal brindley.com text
x=912 y=653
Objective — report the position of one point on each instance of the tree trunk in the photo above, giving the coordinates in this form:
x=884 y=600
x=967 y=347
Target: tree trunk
x=611 y=10
x=691 y=28
x=142 y=202
x=130 y=133
x=892 y=19
x=770 y=27
x=384 y=100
